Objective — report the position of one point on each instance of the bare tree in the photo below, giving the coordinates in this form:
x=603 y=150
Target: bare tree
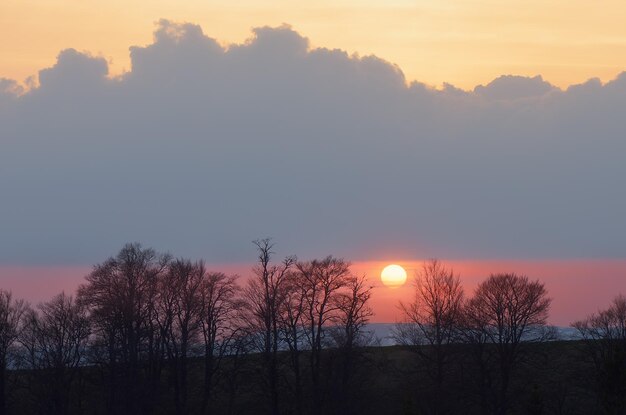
x=179 y=313
x=604 y=335
x=432 y=319
x=11 y=312
x=54 y=342
x=323 y=280
x=236 y=369
x=506 y=311
x=291 y=315
x=219 y=325
x=263 y=297
x=353 y=314
x=120 y=296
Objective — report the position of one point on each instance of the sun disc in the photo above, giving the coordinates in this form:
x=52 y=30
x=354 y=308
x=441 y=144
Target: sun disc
x=393 y=275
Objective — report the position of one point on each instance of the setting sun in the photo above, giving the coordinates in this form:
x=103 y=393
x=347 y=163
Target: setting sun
x=393 y=275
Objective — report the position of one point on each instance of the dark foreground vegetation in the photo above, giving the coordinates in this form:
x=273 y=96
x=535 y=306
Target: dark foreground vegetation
x=149 y=334
x=389 y=380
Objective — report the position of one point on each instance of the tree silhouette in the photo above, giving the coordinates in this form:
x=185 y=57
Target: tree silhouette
x=604 y=335
x=292 y=320
x=54 y=341
x=323 y=281
x=506 y=311
x=179 y=312
x=433 y=319
x=263 y=297
x=120 y=295
x=221 y=330
x=11 y=312
x=349 y=333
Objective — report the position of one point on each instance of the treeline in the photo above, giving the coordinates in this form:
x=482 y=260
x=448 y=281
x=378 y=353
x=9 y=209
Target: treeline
x=493 y=353
x=140 y=316
x=150 y=334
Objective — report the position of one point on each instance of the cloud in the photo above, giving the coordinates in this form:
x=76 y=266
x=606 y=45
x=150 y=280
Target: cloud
x=9 y=91
x=201 y=148
x=73 y=71
x=510 y=87
x=10 y=87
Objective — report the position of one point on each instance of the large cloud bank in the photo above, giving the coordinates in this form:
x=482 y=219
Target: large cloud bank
x=200 y=149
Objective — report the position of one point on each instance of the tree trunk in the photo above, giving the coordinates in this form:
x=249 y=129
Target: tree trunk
x=3 y=365
x=208 y=378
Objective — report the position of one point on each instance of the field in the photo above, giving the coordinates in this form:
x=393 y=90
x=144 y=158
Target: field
x=551 y=378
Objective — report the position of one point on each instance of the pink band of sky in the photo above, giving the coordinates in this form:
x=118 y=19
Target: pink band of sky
x=577 y=287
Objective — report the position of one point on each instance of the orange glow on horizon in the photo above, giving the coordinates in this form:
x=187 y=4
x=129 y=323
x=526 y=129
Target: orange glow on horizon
x=577 y=287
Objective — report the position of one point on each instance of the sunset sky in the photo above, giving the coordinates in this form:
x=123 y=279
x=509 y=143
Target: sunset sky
x=462 y=42
x=488 y=134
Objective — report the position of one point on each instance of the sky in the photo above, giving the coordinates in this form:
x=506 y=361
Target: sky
x=576 y=288
x=472 y=132
x=462 y=42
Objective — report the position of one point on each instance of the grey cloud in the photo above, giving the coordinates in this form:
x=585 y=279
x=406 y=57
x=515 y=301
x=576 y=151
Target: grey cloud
x=10 y=87
x=9 y=91
x=73 y=70
x=510 y=87
x=201 y=148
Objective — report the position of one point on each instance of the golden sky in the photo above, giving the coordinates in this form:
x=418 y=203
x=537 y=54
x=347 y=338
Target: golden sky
x=463 y=42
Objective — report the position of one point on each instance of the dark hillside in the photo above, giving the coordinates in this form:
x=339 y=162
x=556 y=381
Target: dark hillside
x=554 y=378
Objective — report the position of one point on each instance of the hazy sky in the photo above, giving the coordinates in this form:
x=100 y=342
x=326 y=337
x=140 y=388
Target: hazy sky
x=463 y=42
x=200 y=149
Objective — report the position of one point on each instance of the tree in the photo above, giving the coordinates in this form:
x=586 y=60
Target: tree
x=120 y=297
x=323 y=281
x=432 y=319
x=54 y=341
x=263 y=296
x=292 y=315
x=11 y=312
x=220 y=305
x=506 y=311
x=353 y=314
x=180 y=312
x=604 y=335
